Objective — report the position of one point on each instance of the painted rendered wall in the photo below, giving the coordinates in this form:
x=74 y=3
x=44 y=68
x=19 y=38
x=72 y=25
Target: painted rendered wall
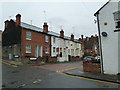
x=119 y=52
x=65 y=45
x=109 y=43
x=54 y=44
x=0 y=45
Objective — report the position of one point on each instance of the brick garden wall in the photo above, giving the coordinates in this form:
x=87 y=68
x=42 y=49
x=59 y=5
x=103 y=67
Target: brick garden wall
x=91 y=67
x=75 y=58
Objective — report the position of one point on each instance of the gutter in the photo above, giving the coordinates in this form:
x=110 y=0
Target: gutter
x=101 y=61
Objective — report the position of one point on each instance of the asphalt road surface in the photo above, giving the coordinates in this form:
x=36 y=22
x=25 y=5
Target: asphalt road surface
x=47 y=76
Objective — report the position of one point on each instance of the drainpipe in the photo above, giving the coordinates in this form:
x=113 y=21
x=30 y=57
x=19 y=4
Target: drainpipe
x=101 y=60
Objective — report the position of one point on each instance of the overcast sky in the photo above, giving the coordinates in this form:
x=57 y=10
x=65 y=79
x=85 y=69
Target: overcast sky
x=73 y=17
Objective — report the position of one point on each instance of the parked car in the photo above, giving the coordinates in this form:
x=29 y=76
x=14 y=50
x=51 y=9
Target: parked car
x=91 y=59
x=88 y=58
x=97 y=58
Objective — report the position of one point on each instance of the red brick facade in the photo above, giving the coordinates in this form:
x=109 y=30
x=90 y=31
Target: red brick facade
x=37 y=38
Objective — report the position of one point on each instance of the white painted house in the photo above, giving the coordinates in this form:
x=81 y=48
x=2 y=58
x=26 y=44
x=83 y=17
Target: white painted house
x=62 y=46
x=109 y=36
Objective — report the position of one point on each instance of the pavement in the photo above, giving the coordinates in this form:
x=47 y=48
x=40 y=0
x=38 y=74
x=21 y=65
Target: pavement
x=12 y=62
x=96 y=76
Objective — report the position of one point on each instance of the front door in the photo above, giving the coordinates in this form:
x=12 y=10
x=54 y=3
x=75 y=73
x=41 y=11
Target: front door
x=40 y=50
x=36 y=50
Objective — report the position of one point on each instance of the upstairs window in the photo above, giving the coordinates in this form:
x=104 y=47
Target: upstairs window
x=28 y=35
x=46 y=38
x=54 y=39
x=28 y=48
x=116 y=15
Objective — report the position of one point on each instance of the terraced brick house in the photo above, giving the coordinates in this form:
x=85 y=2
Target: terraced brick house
x=90 y=45
x=22 y=41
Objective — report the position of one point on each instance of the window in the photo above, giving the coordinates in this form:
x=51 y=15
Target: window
x=118 y=24
x=46 y=38
x=69 y=51
x=28 y=49
x=46 y=49
x=54 y=49
x=116 y=15
x=28 y=35
x=64 y=50
x=77 y=50
x=54 y=39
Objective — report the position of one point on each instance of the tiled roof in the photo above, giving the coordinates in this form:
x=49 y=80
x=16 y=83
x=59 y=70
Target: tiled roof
x=28 y=26
x=32 y=27
x=53 y=33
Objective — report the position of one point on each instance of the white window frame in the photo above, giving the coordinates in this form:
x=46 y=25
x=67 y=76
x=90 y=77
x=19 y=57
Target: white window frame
x=28 y=35
x=28 y=48
x=54 y=39
x=54 y=49
x=46 y=38
x=46 y=50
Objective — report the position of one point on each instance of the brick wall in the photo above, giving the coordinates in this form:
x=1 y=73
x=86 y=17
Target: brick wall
x=36 y=39
x=91 y=67
x=72 y=58
x=47 y=59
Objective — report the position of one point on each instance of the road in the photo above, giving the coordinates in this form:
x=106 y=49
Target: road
x=47 y=76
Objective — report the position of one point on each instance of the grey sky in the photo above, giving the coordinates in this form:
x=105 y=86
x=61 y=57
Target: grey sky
x=73 y=17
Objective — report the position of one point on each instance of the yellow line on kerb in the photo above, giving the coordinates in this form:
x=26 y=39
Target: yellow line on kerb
x=8 y=64
x=61 y=72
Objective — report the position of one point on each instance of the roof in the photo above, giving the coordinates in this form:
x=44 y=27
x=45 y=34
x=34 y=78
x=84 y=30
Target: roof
x=35 y=28
x=101 y=8
x=28 y=26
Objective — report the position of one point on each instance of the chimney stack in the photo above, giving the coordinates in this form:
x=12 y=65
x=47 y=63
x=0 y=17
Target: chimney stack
x=82 y=37
x=61 y=33
x=18 y=19
x=72 y=37
x=6 y=23
x=45 y=27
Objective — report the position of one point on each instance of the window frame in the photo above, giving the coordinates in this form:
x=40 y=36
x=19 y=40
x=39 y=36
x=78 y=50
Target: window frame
x=28 y=50
x=46 y=50
x=28 y=35
x=54 y=39
x=46 y=39
x=54 y=49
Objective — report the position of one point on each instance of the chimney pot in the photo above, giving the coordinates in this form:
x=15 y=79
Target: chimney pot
x=82 y=37
x=45 y=27
x=18 y=19
x=6 y=23
x=61 y=33
x=72 y=37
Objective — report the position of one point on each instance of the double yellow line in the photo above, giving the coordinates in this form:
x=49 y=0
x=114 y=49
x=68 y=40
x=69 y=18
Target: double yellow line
x=3 y=61
x=62 y=72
